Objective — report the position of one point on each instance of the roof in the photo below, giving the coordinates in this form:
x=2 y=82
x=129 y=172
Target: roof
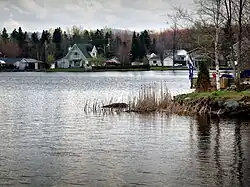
x=11 y=60
x=181 y=52
x=154 y=57
x=85 y=49
x=31 y=60
x=14 y=60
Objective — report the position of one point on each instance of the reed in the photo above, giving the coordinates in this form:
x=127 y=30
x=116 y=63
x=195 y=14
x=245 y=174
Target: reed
x=152 y=99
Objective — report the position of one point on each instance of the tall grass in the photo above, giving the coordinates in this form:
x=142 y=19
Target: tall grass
x=151 y=99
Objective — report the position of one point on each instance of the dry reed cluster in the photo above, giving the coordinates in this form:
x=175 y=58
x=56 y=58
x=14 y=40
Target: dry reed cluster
x=149 y=99
x=152 y=99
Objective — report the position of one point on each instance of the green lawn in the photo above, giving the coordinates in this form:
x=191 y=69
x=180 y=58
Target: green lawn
x=217 y=94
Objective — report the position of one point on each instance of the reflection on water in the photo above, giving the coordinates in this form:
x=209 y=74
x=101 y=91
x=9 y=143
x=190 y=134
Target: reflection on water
x=48 y=140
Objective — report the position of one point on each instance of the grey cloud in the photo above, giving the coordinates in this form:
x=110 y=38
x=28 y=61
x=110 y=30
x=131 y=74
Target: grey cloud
x=43 y=14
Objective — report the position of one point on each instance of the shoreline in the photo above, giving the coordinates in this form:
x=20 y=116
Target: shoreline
x=219 y=104
x=104 y=70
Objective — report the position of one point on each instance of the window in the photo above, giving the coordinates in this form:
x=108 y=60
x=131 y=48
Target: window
x=76 y=53
x=154 y=61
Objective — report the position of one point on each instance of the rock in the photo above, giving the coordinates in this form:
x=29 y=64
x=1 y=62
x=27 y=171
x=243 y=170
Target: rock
x=187 y=99
x=116 y=105
x=220 y=103
x=232 y=87
x=231 y=105
x=246 y=82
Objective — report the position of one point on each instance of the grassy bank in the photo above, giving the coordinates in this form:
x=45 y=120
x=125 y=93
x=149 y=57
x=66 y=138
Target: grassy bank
x=216 y=95
x=219 y=103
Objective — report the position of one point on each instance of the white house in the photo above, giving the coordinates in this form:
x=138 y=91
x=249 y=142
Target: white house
x=78 y=56
x=181 y=56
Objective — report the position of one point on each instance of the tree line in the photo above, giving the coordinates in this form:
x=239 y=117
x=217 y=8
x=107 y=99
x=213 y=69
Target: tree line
x=53 y=44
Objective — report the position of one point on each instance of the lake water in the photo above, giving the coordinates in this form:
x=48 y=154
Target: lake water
x=47 y=139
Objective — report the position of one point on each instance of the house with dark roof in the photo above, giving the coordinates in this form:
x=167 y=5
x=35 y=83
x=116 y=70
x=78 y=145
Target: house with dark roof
x=78 y=56
x=22 y=63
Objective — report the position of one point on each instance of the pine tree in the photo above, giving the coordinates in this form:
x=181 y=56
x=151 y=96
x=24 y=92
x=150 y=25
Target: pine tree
x=65 y=43
x=20 y=37
x=203 y=80
x=142 y=47
x=86 y=36
x=108 y=42
x=4 y=35
x=35 y=43
x=14 y=35
x=45 y=37
x=57 y=39
x=34 y=38
x=134 y=47
x=147 y=40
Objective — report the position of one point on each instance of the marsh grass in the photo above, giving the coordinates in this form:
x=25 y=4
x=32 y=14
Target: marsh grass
x=149 y=99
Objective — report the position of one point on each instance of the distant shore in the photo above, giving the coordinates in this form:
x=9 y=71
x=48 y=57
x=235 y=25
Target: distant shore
x=110 y=69
x=117 y=69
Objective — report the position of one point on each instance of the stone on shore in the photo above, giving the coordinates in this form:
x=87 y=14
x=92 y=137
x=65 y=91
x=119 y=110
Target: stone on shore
x=116 y=105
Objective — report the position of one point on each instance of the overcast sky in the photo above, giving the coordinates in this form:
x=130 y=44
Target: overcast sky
x=35 y=15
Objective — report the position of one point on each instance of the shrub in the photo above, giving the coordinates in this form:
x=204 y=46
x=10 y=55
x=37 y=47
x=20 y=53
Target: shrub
x=203 y=81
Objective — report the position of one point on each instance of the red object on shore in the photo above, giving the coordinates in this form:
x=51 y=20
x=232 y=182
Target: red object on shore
x=214 y=75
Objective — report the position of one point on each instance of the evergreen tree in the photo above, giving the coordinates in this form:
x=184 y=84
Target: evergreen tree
x=147 y=40
x=14 y=35
x=4 y=35
x=20 y=37
x=25 y=45
x=142 y=47
x=108 y=42
x=86 y=36
x=57 y=39
x=57 y=36
x=98 y=40
x=34 y=38
x=65 y=43
x=35 y=45
x=134 y=47
x=45 y=37
x=203 y=80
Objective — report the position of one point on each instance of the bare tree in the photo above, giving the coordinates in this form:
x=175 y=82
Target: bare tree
x=10 y=49
x=209 y=17
x=160 y=51
x=239 y=13
x=216 y=43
